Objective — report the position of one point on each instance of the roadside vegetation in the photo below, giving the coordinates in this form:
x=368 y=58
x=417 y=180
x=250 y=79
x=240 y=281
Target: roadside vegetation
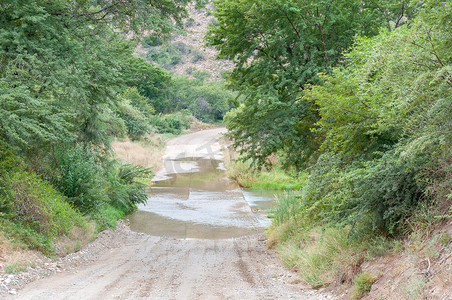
x=82 y=120
x=361 y=107
x=274 y=178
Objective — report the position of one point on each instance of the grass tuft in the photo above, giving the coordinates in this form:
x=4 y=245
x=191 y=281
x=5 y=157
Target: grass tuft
x=362 y=285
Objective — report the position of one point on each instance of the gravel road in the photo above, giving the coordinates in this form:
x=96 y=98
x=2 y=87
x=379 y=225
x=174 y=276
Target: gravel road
x=123 y=264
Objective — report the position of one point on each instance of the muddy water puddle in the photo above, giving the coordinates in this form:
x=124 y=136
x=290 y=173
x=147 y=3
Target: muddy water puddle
x=193 y=198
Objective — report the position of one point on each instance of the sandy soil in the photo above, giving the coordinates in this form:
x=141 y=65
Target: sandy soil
x=130 y=265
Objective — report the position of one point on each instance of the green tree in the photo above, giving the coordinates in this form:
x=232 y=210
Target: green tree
x=151 y=81
x=135 y=110
x=70 y=57
x=385 y=118
x=278 y=48
x=207 y=101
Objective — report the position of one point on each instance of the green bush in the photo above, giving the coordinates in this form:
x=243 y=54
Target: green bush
x=125 y=189
x=79 y=177
x=26 y=237
x=136 y=123
x=107 y=217
x=165 y=56
x=39 y=206
x=197 y=56
x=172 y=123
x=207 y=101
x=8 y=165
x=37 y=214
x=151 y=40
x=373 y=196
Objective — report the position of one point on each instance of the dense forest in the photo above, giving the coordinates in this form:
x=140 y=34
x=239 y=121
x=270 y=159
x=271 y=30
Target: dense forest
x=70 y=84
x=356 y=97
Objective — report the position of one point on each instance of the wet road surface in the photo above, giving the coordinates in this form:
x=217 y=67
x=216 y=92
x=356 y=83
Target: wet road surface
x=207 y=246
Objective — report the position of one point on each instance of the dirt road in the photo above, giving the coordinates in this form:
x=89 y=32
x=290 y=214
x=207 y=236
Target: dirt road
x=132 y=265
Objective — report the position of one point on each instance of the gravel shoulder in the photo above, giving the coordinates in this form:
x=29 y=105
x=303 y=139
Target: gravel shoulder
x=122 y=264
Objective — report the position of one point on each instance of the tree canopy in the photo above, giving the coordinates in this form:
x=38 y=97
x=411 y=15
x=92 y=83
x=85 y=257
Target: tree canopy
x=280 y=47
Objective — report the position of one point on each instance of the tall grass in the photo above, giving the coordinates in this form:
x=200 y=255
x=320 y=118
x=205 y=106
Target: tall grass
x=147 y=153
x=286 y=208
x=274 y=179
x=325 y=255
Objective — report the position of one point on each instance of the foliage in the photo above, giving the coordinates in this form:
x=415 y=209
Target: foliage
x=25 y=119
x=278 y=48
x=378 y=134
x=380 y=118
x=134 y=110
x=166 y=56
x=172 y=123
x=265 y=129
x=274 y=178
x=8 y=166
x=125 y=190
x=37 y=205
x=373 y=133
x=107 y=217
x=37 y=214
x=170 y=54
x=91 y=183
x=68 y=83
x=151 y=81
x=151 y=41
x=207 y=101
x=78 y=176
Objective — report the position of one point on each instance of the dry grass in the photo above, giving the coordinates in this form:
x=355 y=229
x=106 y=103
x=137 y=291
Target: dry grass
x=197 y=125
x=146 y=153
x=13 y=259
x=79 y=237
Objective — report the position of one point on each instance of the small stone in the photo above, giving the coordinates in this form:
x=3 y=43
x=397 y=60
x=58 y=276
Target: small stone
x=13 y=292
x=8 y=280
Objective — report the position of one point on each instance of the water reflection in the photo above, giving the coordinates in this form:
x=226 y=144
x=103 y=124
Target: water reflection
x=193 y=198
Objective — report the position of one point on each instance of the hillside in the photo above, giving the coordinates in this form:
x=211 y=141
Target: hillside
x=185 y=53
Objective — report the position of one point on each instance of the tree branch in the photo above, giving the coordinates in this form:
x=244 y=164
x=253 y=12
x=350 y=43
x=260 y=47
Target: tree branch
x=88 y=14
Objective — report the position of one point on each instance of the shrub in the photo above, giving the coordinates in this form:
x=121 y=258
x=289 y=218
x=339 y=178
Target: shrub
x=39 y=206
x=38 y=213
x=151 y=40
x=8 y=165
x=197 y=56
x=107 y=217
x=190 y=70
x=201 y=75
x=136 y=123
x=172 y=123
x=125 y=190
x=375 y=196
x=166 y=56
x=79 y=177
